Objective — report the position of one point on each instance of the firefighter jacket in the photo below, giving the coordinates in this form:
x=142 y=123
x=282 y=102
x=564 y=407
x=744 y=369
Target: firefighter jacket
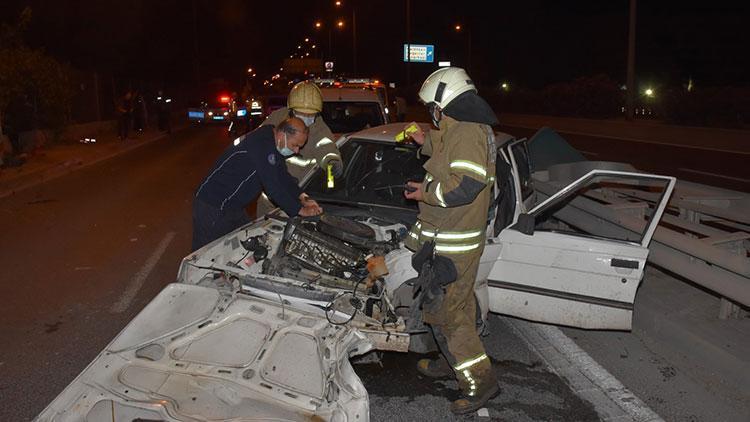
x=320 y=147
x=456 y=188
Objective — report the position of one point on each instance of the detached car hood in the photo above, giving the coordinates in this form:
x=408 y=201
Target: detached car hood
x=204 y=353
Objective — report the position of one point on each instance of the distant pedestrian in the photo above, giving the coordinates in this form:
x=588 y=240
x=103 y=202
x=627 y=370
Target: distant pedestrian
x=124 y=109
x=163 y=110
x=139 y=112
x=401 y=108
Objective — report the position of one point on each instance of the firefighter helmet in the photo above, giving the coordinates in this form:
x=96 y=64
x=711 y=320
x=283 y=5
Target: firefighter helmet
x=444 y=85
x=305 y=97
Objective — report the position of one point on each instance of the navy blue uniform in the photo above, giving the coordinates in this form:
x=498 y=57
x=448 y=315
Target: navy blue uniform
x=237 y=178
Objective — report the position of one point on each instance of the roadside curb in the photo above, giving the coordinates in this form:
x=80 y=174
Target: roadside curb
x=74 y=164
x=589 y=380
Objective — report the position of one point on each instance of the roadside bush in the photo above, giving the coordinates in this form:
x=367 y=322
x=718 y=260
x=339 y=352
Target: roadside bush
x=35 y=89
x=717 y=107
x=596 y=97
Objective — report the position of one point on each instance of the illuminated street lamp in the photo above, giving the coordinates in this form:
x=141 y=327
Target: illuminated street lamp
x=339 y=5
x=649 y=92
x=458 y=27
x=249 y=70
x=319 y=25
x=505 y=86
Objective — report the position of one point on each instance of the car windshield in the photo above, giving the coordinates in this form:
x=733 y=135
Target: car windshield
x=351 y=116
x=374 y=173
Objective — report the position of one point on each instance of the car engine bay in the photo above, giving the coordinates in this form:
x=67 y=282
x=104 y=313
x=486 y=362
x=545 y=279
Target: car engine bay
x=342 y=263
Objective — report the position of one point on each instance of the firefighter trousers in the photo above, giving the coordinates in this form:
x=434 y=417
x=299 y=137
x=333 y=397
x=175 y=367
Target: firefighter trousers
x=454 y=324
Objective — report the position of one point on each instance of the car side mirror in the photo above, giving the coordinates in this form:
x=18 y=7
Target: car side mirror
x=525 y=224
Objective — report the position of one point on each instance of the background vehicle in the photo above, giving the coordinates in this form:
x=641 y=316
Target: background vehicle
x=362 y=83
x=216 y=110
x=272 y=103
x=347 y=110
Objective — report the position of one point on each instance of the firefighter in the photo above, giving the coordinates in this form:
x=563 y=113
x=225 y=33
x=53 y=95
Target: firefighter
x=306 y=102
x=454 y=199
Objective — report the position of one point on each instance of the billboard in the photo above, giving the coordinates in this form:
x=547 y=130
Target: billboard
x=420 y=53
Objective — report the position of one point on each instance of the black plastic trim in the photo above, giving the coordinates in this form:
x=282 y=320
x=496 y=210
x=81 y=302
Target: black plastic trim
x=561 y=295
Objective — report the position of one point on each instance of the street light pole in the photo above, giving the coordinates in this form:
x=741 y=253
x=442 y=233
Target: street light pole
x=408 y=43
x=460 y=28
x=354 y=39
x=631 y=89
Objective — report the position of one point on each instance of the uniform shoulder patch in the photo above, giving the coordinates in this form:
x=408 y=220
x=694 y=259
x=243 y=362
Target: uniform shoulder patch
x=272 y=159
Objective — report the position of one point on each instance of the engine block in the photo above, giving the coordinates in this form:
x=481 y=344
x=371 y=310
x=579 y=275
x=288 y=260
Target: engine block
x=321 y=251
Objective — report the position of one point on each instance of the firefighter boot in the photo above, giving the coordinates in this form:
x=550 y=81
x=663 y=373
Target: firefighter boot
x=478 y=385
x=435 y=368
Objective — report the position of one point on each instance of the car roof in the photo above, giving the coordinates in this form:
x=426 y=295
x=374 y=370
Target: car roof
x=385 y=132
x=389 y=131
x=349 y=94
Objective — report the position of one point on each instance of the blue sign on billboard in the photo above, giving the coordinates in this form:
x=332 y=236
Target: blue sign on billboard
x=419 y=53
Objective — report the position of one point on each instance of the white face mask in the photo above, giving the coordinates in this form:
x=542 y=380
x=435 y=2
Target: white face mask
x=285 y=150
x=309 y=120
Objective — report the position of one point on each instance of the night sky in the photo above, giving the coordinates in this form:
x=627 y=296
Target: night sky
x=531 y=43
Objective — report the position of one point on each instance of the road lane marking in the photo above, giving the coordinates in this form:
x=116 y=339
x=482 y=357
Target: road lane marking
x=140 y=277
x=563 y=355
x=592 y=135
x=588 y=152
x=705 y=173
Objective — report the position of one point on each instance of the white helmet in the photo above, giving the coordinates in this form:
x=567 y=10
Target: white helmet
x=444 y=85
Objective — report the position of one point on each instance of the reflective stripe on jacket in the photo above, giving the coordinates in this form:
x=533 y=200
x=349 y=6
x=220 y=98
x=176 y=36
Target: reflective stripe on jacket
x=456 y=188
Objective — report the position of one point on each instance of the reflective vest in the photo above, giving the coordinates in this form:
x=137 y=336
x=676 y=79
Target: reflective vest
x=456 y=188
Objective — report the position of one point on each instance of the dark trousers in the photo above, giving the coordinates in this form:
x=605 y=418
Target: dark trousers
x=123 y=125
x=211 y=223
x=163 y=121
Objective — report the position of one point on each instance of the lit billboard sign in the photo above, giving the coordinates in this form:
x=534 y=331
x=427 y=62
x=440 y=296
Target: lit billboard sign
x=419 y=53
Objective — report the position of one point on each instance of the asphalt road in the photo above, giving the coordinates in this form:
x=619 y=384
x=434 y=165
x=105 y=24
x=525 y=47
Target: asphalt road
x=708 y=166
x=74 y=257
x=529 y=391
x=82 y=254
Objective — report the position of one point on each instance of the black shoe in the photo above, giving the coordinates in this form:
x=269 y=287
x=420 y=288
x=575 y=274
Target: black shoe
x=470 y=404
x=434 y=368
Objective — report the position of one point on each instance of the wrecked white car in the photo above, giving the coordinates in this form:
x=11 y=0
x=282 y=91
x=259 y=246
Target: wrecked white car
x=261 y=323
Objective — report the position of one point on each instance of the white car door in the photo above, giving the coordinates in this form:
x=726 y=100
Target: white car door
x=542 y=272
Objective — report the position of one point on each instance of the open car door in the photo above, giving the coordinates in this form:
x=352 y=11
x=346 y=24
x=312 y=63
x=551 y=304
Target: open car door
x=545 y=271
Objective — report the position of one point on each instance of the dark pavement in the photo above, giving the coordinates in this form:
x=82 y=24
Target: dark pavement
x=529 y=390
x=83 y=254
x=706 y=165
x=72 y=248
